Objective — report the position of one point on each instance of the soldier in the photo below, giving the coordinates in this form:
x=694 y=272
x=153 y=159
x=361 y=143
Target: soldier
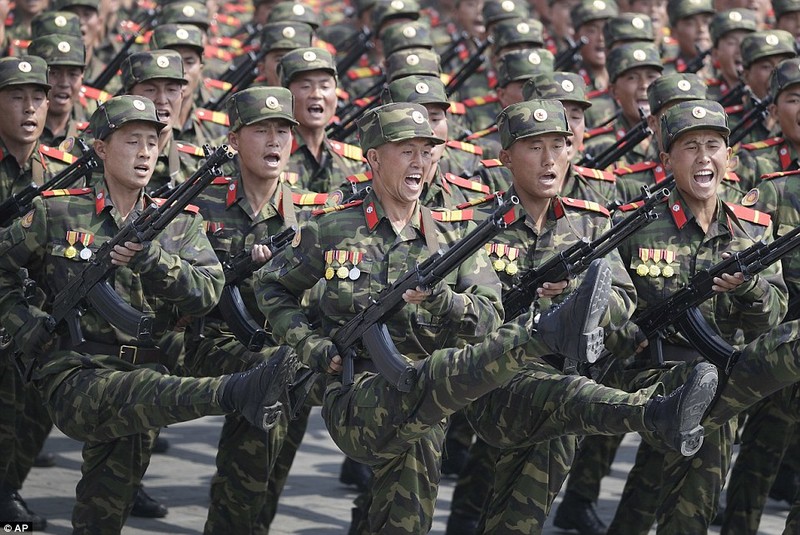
x=17 y=21
x=693 y=231
x=627 y=28
x=279 y=38
x=688 y=21
x=109 y=392
x=727 y=31
x=787 y=16
x=239 y=212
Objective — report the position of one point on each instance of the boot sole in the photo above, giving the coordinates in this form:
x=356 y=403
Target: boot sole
x=593 y=336
x=701 y=387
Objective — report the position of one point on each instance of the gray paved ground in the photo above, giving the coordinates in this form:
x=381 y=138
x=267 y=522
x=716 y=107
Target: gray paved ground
x=314 y=502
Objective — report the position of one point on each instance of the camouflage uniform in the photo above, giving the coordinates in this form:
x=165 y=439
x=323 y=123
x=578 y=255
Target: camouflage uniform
x=731 y=20
x=681 y=9
x=628 y=28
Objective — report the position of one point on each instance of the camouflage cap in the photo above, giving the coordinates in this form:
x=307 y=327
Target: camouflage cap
x=60 y=22
x=496 y=10
x=394 y=122
x=286 y=35
x=117 y=111
x=675 y=87
x=152 y=65
x=66 y=50
x=418 y=89
x=175 y=35
x=531 y=118
x=590 y=10
x=766 y=43
x=563 y=86
x=413 y=34
x=255 y=104
x=781 y=7
x=522 y=64
x=693 y=115
x=304 y=60
x=386 y=10
x=23 y=70
x=628 y=27
x=294 y=12
x=681 y=9
x=511 y=32
x=185 y=12
x=731 y=20
x=412 y=61
x=632 y=56
x=61 y=5
x=786 y=74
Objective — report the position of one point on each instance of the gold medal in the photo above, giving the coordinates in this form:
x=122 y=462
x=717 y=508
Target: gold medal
x=512 y=269
x=667 y=272
x=70 y=252
x=655 y=271
x=499 y=265
x=329 y=273
x=342 y=272
x=642 y=270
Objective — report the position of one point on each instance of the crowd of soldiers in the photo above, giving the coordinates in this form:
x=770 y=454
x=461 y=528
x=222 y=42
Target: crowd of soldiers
x=307 y=158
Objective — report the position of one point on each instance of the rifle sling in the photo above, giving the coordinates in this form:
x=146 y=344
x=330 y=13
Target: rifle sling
x=128 y=353
x=429 y=229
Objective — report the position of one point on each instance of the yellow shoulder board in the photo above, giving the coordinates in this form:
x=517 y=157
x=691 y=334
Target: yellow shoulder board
x=56 y=154
x=217 y=117
x=763 y=144
x=337 y=207
x=95 y=94
x=777 y=174
x=308 y=199
x=457 y=108
x=631 y=206
x=597 y=174
x=216 y=84
x=748 y=214
x=466 y=147
x=494 y=162
x=471 y=185
x=188 y=148
x=62 y=192
x=585 y=205
x=347 y=151
x=358 y=178
x=450 y=216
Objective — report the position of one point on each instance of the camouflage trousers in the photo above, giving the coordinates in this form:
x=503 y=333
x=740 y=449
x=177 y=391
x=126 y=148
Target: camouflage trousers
x=770 y=431
x=400 y=435
x=474 y=485
x=533 y=421
x=116 y=412
x=245 y=454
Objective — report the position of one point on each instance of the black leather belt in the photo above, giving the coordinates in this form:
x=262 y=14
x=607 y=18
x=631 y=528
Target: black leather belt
x=128 y=353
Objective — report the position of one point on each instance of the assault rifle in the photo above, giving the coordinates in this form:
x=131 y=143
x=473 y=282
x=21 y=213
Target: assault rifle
x=237 y=269
x=468 y=69
x=20 y=203
x=734 y=95
x=567 y=59
x=353 y=110
x=452 y=50
x=632 y=137
x=679 y=311
x=751 y=119
x=239 y=76
x=576 y=259
x=110 y=70
x=698 y=62
x=358 y=45
x=368 y=325
x=92 y=283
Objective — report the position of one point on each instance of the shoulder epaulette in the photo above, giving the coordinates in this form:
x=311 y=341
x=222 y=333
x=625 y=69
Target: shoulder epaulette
x=457 y=108
x=337 y=208
x=445 y=77
x=778 y=174
x=347 y=151
x=63 y=192
x=748 y=214
x=630 y=206
x=341 y=94
x=730 y=176
x=188 y=148
x=211 y=51
x=635 y=168
x=216 y=117
x=493 y=162
x=188 y=208
x=95 y=94
x=363 y=72
x=585 y=205
x=358 y=178
x=476 y=202
x=480 y=101
x=82 y=125
x=211 y=83
x=308 y=199
x=597 y=174
x=228 y=20
x=763 y=144
x=325 y=45
x=222 y=181
x=736 y=108
x=467 y=184
x=452 y=216
x=713 y=82
x=466 y=147
x=56 y=154
x=596 y=93
x=598 y=131
x=480 y=133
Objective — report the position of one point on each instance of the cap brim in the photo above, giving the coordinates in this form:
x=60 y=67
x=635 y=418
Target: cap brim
x=726 y=132
x=275 y=117
x=157 y=124
x=46 y=87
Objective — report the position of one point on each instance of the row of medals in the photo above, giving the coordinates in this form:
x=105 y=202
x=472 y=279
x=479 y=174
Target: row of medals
x=343 y=273
x=85 y=253
x=655 y=271
x=501 y=265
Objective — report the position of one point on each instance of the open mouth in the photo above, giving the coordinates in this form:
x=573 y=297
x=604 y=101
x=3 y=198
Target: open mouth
x=315 y=110
x=548 y=178
x=163 y=115
x=413 y=180
x=141 y=169
x=62 y=98
x=29 y=126
x=704 y=177
x=272 y=159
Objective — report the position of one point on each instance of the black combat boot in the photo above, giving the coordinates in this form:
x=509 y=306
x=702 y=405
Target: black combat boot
x=44 y=460
x=14 y=509
x=255 y=392
x=146 y=507
x=676 y=418
x=160 y=445
x=356 y=474
x=584 y=308
x=785 y=486
x=578 y=513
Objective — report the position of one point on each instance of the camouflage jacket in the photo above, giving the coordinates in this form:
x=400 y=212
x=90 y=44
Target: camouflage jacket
x=337 y=160
x=355 y=249
x=764 y=157
x=603 y=138
x=185 y=280
x=44 y=164
x=662 y=258
x=481 y=112
x=461 y=158
x=603 y=106
x=76 y=124
x=204 y=127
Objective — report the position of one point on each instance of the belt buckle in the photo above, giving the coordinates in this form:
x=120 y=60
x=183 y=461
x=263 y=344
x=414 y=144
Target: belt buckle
x=126 y=351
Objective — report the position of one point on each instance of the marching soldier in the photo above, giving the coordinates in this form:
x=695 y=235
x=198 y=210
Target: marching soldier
x=627 y=28
x=278 y=38
x=688 y=21
x=727 y=31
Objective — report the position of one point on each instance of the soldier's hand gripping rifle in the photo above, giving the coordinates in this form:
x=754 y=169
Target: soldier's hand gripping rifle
x=577 y=258
x=92 y=286
x=625 y=144
x=567 y=59
x=237 y=269
x=110 y=70
x=679 y=312
x=468 y=69
x=20 y=203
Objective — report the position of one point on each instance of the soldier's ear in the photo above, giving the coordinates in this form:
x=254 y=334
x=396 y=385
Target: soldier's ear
x=665 y=159
x=233 y=141
x=373 y=158
x=505 y=158
x=773 y=111
x=100 y=149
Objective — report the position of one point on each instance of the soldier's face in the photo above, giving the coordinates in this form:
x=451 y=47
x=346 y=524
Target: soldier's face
x=757 y=76
x=165 y=94
x=577 y=123
x=511 y=93
x=66 y=86
x=192 y=67
x=269 y=67
x=656 y=10
x=787 y=112
x=314 y=98
x=593 y=52
x=31 y=7
x=398 y=170
x=539 y=165
x=469 y=16
x=728 y=55
x=24 y=110
x=264 y=148
x=91 y=25
x=790 y=22
x=129 y=155
x=699 y=160
x=630 y=91
x=437 y=116
x=692 y=32
x=560 y=20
